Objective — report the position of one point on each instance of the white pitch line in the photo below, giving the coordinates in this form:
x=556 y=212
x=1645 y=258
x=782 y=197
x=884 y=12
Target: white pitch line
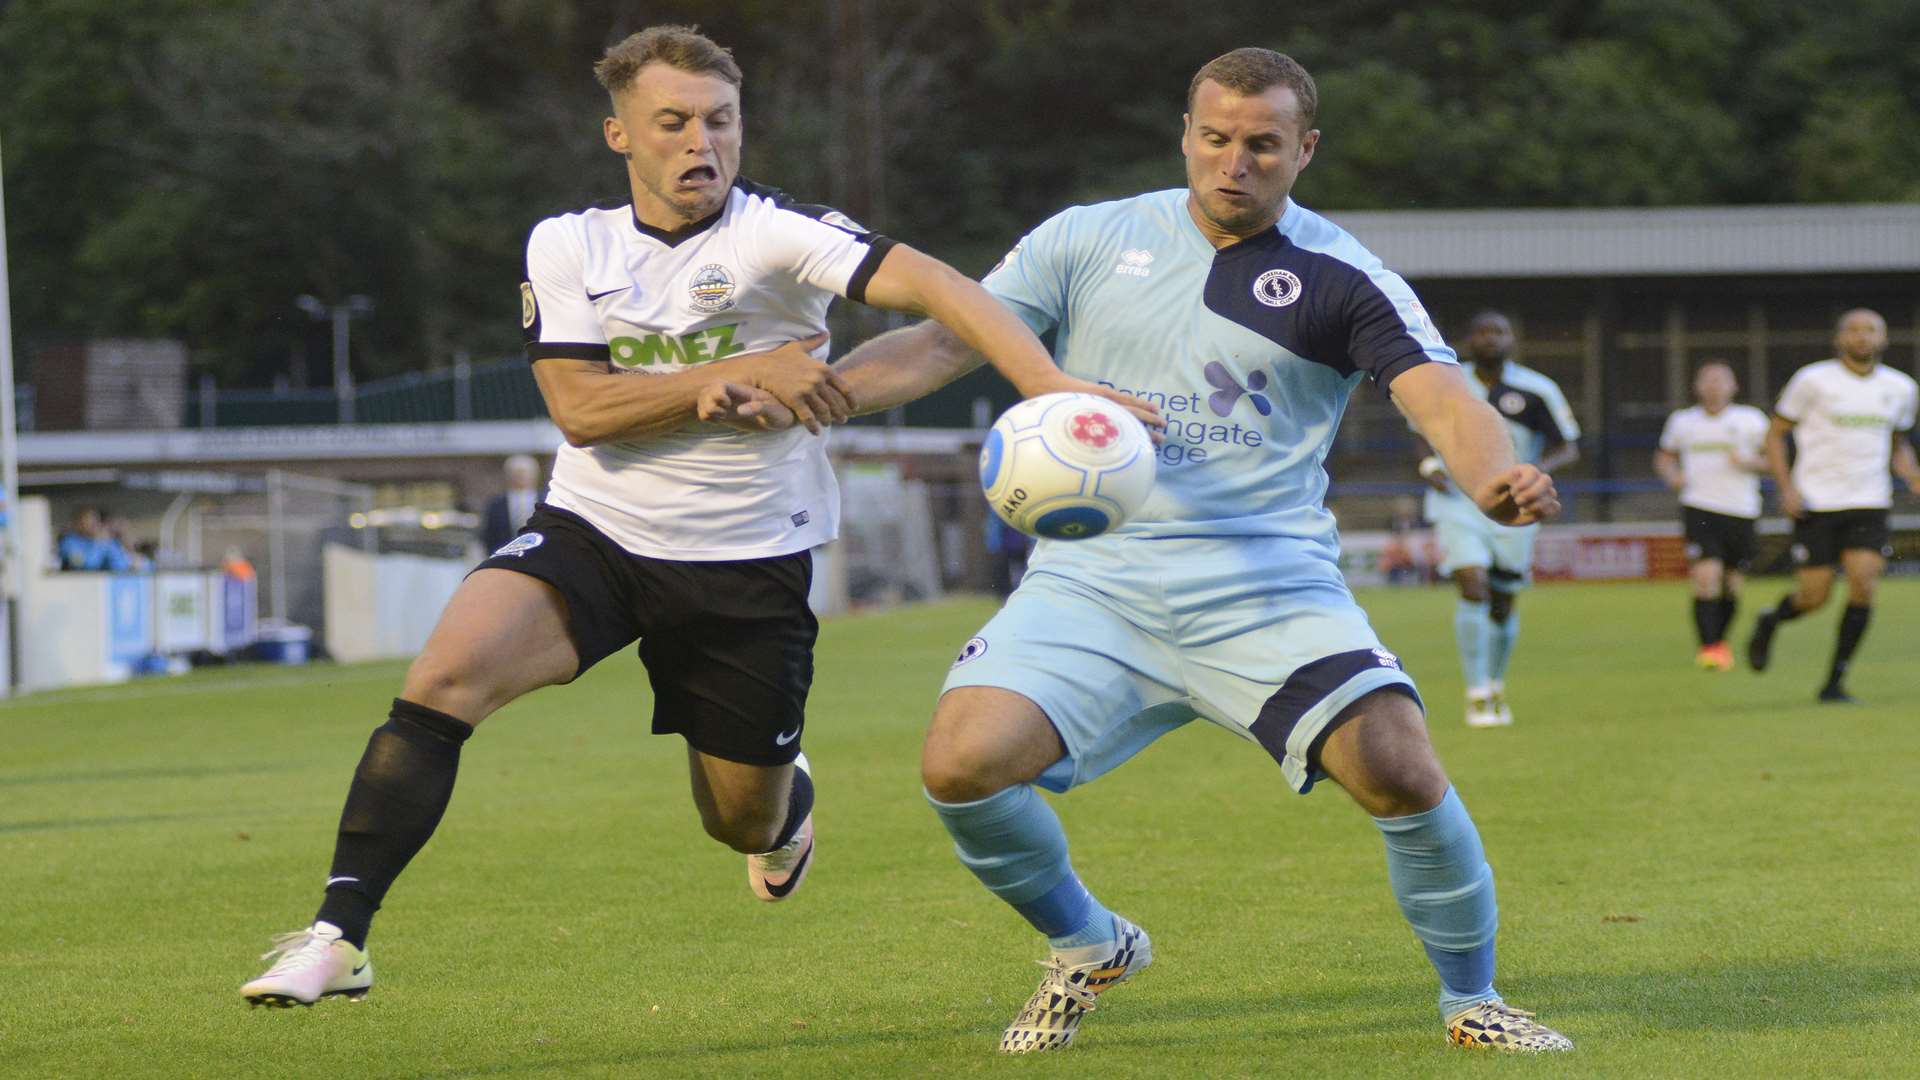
x=143 y=688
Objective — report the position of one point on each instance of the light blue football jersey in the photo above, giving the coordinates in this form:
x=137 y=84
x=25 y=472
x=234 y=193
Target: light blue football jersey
x=1537 y=416
x=1250 y=351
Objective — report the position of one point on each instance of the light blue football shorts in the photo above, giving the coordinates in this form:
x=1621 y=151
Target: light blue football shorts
x=1120 y=647
x=1469 y=538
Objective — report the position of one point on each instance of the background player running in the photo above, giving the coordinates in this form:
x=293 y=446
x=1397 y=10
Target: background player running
x=1712 y=454
x=692 y=537
x=1222 y=598
x=1489 y=561
x=1849 y=417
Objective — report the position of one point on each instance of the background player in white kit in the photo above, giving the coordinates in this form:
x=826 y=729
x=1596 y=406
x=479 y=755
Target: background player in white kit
x=1712 y=455
x=1850 y=417
x=693 y=537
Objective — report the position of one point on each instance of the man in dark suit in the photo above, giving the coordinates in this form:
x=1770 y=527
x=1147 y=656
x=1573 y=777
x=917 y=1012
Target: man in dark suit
x=506 y=512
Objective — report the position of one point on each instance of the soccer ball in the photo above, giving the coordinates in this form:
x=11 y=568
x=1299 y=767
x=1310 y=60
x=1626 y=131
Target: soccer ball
x=1066 y=466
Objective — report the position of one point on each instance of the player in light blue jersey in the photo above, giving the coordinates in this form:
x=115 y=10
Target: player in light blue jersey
x=1491 y=562
x=1247 y=320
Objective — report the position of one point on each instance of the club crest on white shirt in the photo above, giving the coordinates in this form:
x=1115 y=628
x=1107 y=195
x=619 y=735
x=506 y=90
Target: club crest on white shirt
x=711 y=288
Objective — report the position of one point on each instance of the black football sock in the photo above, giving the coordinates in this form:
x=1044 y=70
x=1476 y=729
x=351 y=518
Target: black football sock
x=1706 y=620
x=799 y=805
x=1784 y=611
x=1727 y=604
x=1853 y=627
x=397 y=797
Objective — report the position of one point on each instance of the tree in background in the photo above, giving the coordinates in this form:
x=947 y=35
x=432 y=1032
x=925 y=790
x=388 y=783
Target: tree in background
x=198 y=164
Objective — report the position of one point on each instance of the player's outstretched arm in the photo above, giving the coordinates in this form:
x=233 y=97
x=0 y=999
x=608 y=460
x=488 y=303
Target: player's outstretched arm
x=905 y=365
x=911 y=282
x=1472 y=439
x=1777 y=433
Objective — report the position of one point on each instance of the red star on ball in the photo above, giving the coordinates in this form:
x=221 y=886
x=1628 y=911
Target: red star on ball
x=1094 y=429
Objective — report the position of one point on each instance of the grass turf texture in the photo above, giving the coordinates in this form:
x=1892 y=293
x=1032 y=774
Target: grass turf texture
x=1700 y=875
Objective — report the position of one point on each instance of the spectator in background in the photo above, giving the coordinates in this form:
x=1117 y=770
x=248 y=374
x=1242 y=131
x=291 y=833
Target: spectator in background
x=507 y=512
x=120 y=531
x=236 y=565
x=87 y=545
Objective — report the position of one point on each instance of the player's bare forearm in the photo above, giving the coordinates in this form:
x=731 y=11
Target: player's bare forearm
x=1472 y=439
x=911 y=282
x=905 y=365
x=592 y=405
x=1667 y=464
x=1906 y=464
x=1777 y=454
x=1465 y=431
x=1561 y=456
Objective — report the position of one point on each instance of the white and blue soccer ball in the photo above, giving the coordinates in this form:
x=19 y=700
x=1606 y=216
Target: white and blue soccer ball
x=1066 y=466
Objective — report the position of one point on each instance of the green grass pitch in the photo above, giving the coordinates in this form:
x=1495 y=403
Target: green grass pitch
x=1700 y=875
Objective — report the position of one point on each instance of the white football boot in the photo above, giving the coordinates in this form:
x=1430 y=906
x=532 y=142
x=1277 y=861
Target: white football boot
x=1051 y=1016
x=313 y=963
x=1501 y=710
x=1482 y=712
x=776 y=874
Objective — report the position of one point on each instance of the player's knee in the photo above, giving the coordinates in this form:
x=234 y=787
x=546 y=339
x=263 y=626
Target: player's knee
x=1473 y=590
x=449 y=686
x=954 y=772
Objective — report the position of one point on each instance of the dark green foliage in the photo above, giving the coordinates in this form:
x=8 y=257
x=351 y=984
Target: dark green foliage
x=188 y=168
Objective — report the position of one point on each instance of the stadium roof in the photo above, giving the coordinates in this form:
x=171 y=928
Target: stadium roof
x=1861 y=238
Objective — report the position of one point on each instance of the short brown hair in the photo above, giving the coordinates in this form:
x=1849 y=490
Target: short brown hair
x=1253 y=70
x=682 y=47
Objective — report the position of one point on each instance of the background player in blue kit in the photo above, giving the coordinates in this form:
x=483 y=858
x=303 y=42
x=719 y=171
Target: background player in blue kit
x=1248 y=320
x=1490 y=561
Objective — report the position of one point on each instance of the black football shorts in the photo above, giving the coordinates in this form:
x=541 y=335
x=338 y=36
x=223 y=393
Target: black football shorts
x=727 y=645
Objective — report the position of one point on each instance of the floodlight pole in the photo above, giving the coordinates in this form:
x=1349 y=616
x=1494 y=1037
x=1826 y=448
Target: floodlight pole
x=342 y=316
x=11 y=555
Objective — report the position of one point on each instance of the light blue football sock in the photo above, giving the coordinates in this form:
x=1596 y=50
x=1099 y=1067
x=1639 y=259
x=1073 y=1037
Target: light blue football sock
x=1441 y=878
x=1474 y=631
x=1501 y=640
x=1013 y=842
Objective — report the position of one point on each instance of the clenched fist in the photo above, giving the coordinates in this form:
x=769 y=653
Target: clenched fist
x=1523 y=495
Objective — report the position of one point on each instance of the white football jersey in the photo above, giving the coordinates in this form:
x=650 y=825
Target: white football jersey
x=1710 y=447
x=601 y=285
x=1843 y=432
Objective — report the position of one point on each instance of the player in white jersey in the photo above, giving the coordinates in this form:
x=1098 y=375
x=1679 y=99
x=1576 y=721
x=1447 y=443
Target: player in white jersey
x=1851 y=419
x=1249 y=319
x=676 y=515
x=1712 y=455
x=1491 y=562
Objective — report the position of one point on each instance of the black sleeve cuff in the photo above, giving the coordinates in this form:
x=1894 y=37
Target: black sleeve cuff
x=1384 y=377
x=877 y=248
x=566 y=350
